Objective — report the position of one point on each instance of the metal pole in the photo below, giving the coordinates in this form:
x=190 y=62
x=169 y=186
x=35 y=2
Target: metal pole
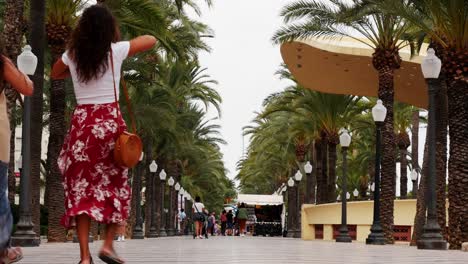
x=176 y=211
x=376 y=237
x=188 y=213
x=415 y=188
x=291 y=219
x=297 y=229
x=24 y=235
x=162 y=231
x=431 y=237
x=138 y=228
x=344 y=234
x=153 y=230
x=170 y=228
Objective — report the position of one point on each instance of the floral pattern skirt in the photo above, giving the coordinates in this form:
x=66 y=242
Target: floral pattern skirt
x=94 y=184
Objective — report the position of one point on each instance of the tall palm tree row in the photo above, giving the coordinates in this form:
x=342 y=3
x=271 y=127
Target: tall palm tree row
x=167 y=87
x=380 y=31
x=445 y=23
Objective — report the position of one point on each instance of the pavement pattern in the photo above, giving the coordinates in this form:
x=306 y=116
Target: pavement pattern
x=249 y=250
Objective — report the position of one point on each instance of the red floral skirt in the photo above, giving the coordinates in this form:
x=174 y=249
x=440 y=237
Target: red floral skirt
x=94 y=184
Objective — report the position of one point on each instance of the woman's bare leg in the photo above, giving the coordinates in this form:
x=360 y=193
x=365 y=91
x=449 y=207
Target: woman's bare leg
x=108 y=246
x=82 y=228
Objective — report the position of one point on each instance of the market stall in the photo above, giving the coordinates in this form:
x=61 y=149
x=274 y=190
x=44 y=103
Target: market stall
x=266 y=214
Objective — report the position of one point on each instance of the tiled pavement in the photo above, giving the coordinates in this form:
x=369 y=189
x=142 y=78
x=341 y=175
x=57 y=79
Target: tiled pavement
x=249 y=250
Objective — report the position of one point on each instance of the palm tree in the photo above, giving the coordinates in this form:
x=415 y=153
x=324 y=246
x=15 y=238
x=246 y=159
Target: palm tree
x=61 y=17
x=444 y=22
x=12 y=35
x=382 y=33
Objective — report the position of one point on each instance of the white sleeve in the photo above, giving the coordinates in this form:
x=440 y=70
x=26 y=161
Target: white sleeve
x=121 y=49
x=65 y=58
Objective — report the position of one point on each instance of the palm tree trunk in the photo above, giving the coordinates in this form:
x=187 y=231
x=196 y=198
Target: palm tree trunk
x=441 y=155
x=420 y=217
x=12 y=34
x=318 y=170
x=37 y=40
x=331 y=193
x=388 y=173
x=458 y=168
x=57 y=131
x=415 y=145
x=403 y=173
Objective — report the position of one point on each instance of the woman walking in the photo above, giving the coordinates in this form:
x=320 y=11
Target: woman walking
x=229 y=222
x=223 y=219
x=21 y=83
x=95 y=186
x=242 y=219
x=198 y=217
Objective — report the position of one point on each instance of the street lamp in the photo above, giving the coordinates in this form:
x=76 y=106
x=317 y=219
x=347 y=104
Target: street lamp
x=24 y=234
x=431 y=237
x=162 y=177
x=177 y=189
x=153 y=232
x=170 y=230
x=414 y=179
x=310 y=187
x=138 y=228
x=291 y=208
x=298 y=178
x=355 y=193
x=345 y=141
x=376 y=237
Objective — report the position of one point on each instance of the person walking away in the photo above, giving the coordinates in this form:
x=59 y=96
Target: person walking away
x=242 y=216
x=205 y=229
x=198 y=217
x=96 y=187
x=22 y=84
x=181 y=216
x=229 y=222
x=211 y=223
x=223 y=219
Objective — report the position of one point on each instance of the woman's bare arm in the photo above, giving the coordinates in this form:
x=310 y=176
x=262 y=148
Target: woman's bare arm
x=60 y=71
x=140 y=44
x=18 y=80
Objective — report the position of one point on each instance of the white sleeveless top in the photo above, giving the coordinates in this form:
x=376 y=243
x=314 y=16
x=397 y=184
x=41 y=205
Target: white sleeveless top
x=100 y=91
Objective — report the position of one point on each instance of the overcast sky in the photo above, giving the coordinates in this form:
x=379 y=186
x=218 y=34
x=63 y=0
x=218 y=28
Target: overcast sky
x=243 y=61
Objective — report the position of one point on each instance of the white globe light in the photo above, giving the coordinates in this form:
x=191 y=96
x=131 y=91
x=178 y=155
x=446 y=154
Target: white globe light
x=171 y=181
x=338 y=197
x=142 y=156
x=162 y=175
x=153 y=167
x=345 y=138
x=414 y=175
x=355 y=193
x=27 y=61
x=298 y=176
x=379 y=112
x=308 y=167
x=177 y=187
x=290 y=182
x=182 y=190
x=348 y=195
x=372 y=187
x=431 y=65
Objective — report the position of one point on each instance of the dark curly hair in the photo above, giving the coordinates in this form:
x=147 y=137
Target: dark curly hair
x=91 y=41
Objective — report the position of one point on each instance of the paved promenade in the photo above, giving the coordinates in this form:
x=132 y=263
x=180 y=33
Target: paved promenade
x=249 y=250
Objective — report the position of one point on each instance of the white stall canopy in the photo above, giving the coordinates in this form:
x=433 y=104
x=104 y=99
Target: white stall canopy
x=256 y=199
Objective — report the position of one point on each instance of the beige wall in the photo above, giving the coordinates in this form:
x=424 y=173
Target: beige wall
x=359 y=213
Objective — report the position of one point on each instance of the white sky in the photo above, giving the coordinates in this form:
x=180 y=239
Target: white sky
x=243 y=61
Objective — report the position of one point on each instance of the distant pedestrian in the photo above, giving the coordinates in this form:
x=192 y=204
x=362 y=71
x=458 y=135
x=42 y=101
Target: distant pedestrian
x=223 y=219
x=198 y=217
x=229 y=222
x=182 y=217
x=211 y=223
x=242 y=216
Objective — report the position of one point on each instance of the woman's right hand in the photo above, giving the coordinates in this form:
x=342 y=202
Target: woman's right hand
x=18 y=80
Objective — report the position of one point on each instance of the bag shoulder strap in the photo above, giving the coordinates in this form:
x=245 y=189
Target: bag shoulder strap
x=196 y=208
x=127 y=97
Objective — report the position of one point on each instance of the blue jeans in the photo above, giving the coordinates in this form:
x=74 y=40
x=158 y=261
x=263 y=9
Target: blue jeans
x=6 y=219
